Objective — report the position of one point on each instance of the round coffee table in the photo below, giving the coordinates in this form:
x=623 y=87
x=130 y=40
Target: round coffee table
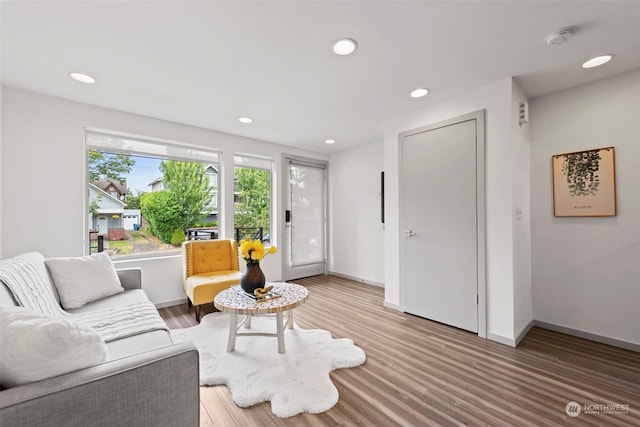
x=235 y=301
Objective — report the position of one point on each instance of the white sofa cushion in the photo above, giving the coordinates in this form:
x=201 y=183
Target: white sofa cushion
x=80 y=280
x=34 y=346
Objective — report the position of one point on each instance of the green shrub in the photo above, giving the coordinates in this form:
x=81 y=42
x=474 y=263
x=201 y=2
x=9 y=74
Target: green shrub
x=206 y=224
x=162 y=213
x=177 y=237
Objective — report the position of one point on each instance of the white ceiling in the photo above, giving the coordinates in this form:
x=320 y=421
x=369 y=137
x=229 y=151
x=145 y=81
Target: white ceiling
x=209 y=63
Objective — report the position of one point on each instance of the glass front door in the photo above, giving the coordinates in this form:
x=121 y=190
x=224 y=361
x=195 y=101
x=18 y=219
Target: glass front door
x=305 y=220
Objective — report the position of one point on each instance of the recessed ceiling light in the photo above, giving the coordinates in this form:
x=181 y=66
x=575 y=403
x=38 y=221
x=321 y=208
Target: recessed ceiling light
x=345 y=46
x=329 y=141
x=84 y=78
x=419 y=93
x=597 y=61
x=245 y=120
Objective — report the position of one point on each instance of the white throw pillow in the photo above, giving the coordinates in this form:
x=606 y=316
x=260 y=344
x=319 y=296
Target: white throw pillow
x=80 y=280
x=34 y=346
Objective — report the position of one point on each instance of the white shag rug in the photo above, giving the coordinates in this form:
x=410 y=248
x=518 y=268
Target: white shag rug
x=296 y=381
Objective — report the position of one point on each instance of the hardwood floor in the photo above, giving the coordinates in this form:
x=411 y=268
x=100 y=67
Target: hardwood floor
x=420 y=372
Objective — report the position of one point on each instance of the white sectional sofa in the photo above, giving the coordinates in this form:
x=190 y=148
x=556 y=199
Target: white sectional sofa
x=146 y=381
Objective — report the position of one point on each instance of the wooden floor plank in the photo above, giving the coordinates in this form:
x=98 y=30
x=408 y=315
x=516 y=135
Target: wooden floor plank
x=420 y=372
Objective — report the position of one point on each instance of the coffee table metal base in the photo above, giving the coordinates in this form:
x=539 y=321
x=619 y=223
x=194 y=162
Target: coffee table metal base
x=234 y=328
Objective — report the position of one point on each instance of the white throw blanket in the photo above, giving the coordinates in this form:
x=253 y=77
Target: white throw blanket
x=121 y=322
x=31 y=291
x=29 y=288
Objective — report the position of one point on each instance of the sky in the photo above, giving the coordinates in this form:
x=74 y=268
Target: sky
x=143 y=172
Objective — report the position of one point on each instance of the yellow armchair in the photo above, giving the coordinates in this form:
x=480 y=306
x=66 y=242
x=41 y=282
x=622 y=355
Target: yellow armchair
x=209 y=267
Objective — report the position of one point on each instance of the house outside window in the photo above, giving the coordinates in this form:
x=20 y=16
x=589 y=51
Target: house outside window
x=143 y=204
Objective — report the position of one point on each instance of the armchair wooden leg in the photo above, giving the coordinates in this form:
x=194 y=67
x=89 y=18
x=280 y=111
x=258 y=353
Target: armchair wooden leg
x=189 y=304
x=197 y=313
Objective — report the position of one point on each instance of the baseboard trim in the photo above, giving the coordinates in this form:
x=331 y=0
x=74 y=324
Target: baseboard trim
x=392 y=306
x=500 y=339
x=171 y=303
x=524 y=331
x=588 y=335
x=357 y=279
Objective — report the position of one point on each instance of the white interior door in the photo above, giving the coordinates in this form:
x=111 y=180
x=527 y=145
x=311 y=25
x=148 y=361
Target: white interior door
x=439 y=262
x=305 y=219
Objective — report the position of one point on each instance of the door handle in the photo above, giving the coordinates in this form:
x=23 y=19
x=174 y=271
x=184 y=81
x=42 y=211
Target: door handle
x=409 y=233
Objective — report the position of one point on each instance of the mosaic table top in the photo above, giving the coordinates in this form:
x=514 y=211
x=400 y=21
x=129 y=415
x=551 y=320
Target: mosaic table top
x=235 y=300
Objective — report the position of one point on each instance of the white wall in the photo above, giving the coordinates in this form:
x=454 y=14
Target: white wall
x=522 y=294
x=1 y=171
x=1 y=168
x=356 y=232
x=586 y=271
x=43 y=162
x=496 y=99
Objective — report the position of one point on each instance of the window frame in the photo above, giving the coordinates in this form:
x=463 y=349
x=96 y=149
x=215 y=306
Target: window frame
x=162 y=149
x=252 y=161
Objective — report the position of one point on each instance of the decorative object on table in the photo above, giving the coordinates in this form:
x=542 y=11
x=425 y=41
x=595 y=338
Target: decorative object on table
x=261 y=293
x=258 y=296
x=253 y=251
x=584 y=183
x=252 y=278
x=295 y=382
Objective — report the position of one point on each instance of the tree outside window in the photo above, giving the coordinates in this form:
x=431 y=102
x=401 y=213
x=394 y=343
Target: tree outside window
x=252 y=202
x=184 y=202
x=179 y=195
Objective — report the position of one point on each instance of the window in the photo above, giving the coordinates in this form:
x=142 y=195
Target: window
x=212 y=175
x=146 y=196
x=252 y=198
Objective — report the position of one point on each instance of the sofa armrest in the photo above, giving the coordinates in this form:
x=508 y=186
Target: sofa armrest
x=130 y=278
x=159 y=387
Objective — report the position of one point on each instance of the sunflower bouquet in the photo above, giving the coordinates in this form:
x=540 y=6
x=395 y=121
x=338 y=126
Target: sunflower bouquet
x=253 y=250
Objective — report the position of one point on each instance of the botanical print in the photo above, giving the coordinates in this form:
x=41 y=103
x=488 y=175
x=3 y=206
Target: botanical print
x=581 y=170
x=584 y=183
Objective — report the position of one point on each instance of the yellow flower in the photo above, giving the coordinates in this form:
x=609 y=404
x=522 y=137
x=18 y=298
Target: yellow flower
x=253 y=250
x=257 y=254
x=245 y=248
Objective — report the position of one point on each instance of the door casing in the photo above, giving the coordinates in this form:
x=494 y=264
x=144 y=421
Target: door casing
x=479 y=117
x=303 y=271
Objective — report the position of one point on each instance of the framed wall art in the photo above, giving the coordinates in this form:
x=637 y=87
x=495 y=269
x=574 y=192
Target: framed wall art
x=584 y=183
